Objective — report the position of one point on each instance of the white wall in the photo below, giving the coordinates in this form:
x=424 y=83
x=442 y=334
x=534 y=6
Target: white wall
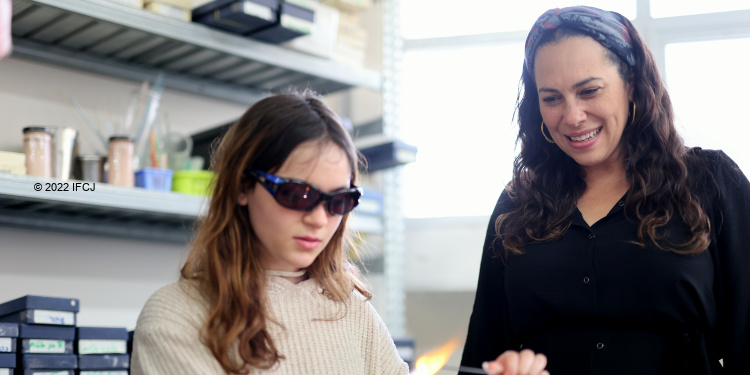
x=33 y=93
x=112 y=278
x=441 y=270
x=443 y=254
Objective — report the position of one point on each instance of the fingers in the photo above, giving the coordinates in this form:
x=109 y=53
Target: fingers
x=539 y=364
x=492 y=367
x=514 y=363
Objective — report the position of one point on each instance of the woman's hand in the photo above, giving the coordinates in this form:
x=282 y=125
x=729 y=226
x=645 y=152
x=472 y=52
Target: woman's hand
x=512 y=362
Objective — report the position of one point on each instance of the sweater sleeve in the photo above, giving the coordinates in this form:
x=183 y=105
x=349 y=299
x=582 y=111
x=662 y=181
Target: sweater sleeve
x=489 y=334
x=385 y=359
x=167 y=336
x=732 y=236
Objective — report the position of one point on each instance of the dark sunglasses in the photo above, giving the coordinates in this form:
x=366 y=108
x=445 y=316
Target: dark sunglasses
x=301 y=196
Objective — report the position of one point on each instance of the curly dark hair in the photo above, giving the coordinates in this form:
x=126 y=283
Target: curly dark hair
x=657 y=164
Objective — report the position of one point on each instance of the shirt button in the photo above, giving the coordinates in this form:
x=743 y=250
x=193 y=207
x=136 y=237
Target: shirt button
x=591 y=236
x=621 y=203
x=586 y=280
x=600 y=346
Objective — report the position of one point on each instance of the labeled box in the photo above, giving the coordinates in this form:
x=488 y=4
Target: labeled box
x=45 y=346
x=30 y=302
x=39 y=316
x=33 y=331
x=239 y=17
x=101 y=340
x=8 y=335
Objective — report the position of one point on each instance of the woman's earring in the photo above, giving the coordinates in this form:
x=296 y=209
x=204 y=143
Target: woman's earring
x=550 y=140
x=633 y=120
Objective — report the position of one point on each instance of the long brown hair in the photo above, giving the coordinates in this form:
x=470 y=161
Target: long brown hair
x=223 y=263
x=657 y=165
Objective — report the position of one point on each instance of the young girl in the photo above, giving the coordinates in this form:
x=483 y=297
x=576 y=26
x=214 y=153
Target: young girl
x=267 y=287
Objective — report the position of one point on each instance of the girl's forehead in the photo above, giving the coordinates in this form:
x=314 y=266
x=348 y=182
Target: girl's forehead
x=317 y=160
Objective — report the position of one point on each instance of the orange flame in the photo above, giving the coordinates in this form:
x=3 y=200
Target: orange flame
x=430 y=363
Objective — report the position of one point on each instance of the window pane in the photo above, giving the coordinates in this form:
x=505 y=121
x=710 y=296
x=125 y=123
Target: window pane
x=706 y=83
x=672 y=8
x=457 y=108
x=429 y=18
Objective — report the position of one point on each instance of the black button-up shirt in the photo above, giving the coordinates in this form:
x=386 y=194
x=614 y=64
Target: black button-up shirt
x=595 y=302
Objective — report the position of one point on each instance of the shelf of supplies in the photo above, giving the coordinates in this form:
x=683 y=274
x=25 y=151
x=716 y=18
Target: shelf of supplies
x=116 y=40
x=71 y=206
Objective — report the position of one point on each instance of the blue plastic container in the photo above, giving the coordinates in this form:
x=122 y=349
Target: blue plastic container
x=157 y=179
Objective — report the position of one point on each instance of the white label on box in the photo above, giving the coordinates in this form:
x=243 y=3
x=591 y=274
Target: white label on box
x=102 y=346
x=257 y=10
x=46 y=346
x=5 y=344
x=297 y=24
x=103 y=372
x=65 y=318
x=4 y=371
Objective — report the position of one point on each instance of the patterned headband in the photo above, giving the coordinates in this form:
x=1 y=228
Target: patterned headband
x=603 y=26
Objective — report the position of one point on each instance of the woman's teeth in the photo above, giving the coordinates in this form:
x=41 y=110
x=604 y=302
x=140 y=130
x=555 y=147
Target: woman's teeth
x=586 y=136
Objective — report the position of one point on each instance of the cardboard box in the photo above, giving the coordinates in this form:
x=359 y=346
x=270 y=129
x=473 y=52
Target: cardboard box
x=322 y=38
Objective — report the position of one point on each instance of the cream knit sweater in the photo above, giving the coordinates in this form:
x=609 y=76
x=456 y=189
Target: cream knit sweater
x=167 y=334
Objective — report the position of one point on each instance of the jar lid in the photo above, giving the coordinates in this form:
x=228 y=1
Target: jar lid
x=36 y=129
x=120 y=138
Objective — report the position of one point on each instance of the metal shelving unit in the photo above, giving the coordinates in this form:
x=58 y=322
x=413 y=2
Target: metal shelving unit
x=112 y=39
x=107 y=210
x=104 y=37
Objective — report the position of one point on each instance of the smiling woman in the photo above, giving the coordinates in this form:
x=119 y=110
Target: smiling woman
x=615 y=249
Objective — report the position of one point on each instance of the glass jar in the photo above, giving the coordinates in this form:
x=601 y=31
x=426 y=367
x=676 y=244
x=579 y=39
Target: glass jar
x=37 y=146
x=120 y=159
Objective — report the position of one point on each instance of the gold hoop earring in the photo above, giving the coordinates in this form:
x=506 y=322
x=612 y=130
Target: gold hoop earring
x=633 y=120
x=550 y=140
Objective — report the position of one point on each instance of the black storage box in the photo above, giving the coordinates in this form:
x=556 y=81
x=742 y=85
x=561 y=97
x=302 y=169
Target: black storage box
x=293 y=21
x=39 y=302
x=8 y=334
x=7 y=360
x=389 y=155
x=101 y=340
x=239 y=17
